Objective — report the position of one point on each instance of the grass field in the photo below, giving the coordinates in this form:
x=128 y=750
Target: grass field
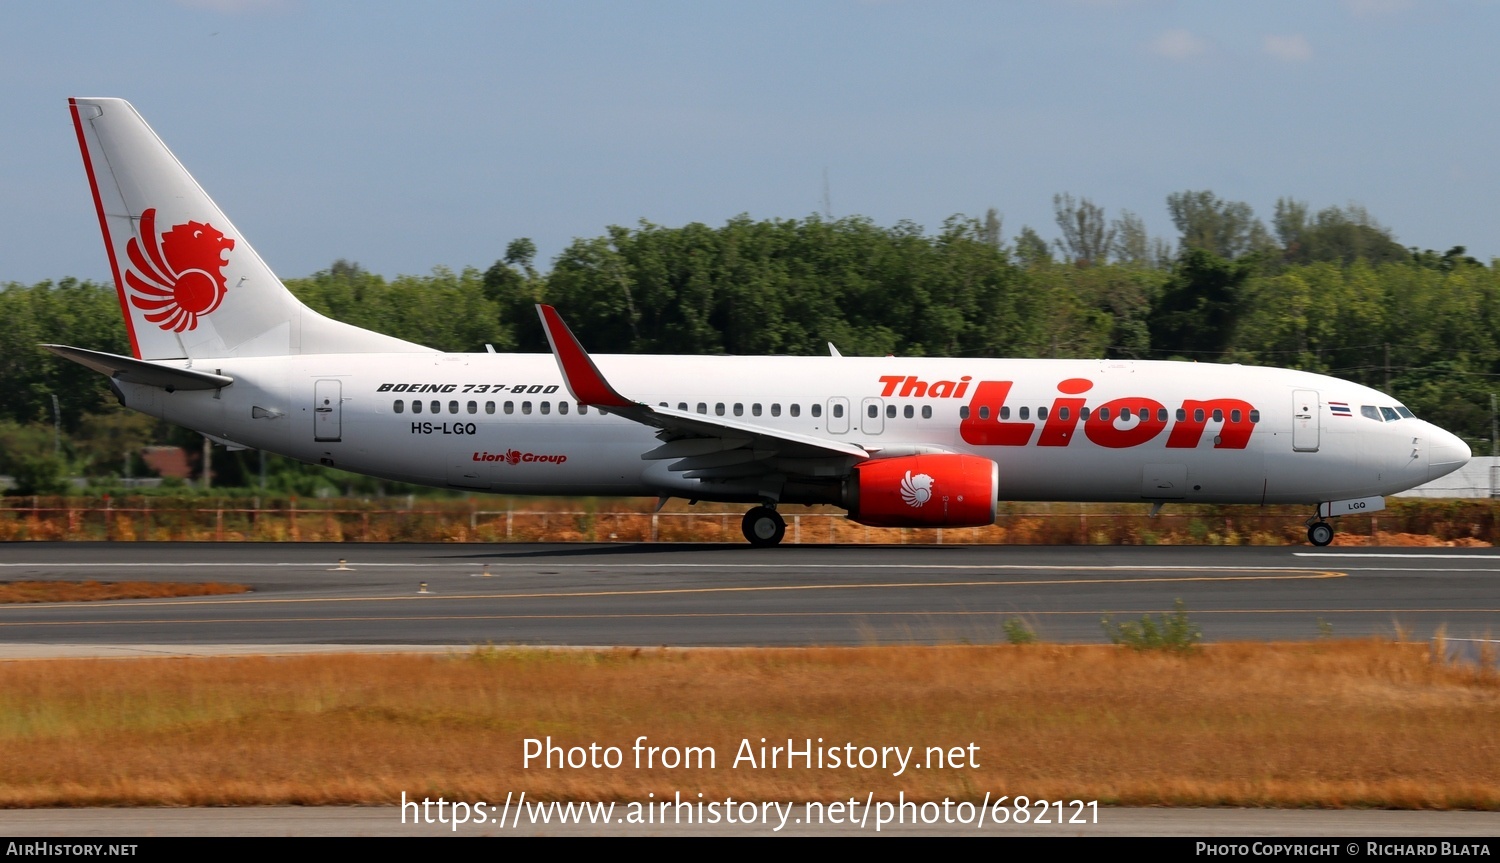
x=1322 y=724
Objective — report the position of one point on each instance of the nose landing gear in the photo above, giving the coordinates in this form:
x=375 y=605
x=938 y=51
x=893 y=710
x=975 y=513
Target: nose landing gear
x=763 y=527
x=1319 y=533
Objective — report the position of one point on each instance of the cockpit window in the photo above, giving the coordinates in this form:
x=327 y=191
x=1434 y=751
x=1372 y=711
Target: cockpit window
x=1370 y=411
x=1405 y=413
x=1389 y=414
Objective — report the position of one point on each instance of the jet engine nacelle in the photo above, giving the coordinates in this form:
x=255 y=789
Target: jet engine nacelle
x=931 y=490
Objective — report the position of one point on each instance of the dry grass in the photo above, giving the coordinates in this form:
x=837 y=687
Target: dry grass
x=1328 y=724
x=90 y=591
x=1408 y=521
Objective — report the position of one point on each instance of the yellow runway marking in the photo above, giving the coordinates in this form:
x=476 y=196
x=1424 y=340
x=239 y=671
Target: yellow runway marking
x=1260 y=574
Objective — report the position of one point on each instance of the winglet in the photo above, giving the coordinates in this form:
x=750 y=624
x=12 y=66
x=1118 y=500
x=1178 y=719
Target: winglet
x=580 y=375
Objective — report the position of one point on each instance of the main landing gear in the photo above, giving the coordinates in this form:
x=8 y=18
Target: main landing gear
x=1319 y=533
x=763 y=526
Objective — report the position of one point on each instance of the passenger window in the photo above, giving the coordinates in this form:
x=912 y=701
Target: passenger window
x=682 y=406
x=1126 y=414
x=907 y=412
x=873 y=411
x=890 y=411
x=1389 y=414
x=739 y=409
x=1104 y=414
x=510 y=407
x=1063 y=414
x=1161 y=415
x=702 y=408
x=1198 y=415
x=399 y=406
x=719 y=409
x=1218 y=415
x=1041 y=413
x=776 y=409
x=1182 y=415
x=453 y=407
x=473 y=407
x=1083 y=414
x=583 y=408
x=795 y=410
x=525 y=407
x=436 y=406
x=546 y=408
x=926 y=412
x=984 y=412
x=815 y=410
x=963 y=412
x=1025 y=413
x=755 y=409
x=416 y=406
x=1255 y=416
x=1005 y=412
x=1234 y=416
x=562 y=408
x=838 y=411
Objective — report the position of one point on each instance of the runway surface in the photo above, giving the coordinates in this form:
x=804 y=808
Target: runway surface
x=695 y=595
x=690 y=595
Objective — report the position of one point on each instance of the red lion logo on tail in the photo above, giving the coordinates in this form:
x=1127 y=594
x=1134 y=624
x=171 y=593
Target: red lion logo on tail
x=179 y=275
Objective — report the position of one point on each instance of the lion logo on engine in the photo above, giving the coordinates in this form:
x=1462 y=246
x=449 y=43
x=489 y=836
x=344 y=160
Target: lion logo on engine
x=916 y=490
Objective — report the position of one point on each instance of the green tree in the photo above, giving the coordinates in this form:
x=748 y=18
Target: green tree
x=1031 y=249
x=1198 y=307
x=1228 y=229
x=1087 y=236
x=1340 y=234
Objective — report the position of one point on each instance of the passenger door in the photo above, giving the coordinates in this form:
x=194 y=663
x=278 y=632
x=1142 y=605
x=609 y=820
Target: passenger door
x=1305 y=421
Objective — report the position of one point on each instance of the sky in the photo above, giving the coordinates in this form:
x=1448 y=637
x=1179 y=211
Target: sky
x=409 y=136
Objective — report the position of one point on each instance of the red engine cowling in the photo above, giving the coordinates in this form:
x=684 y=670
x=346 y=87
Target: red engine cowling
x=937 y=490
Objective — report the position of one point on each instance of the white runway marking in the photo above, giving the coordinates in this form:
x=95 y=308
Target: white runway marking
x=1416 y=569
x=1495 y=557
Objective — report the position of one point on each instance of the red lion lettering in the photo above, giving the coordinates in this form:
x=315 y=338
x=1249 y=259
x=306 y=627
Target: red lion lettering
x=178 y=276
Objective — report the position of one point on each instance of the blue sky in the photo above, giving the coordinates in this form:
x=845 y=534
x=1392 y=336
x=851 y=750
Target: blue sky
x=408 y=136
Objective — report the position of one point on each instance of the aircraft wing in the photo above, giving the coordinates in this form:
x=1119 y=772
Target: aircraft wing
x=701 y=447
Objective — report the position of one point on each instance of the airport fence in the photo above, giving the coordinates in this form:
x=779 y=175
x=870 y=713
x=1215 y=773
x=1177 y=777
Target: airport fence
x=199 y=519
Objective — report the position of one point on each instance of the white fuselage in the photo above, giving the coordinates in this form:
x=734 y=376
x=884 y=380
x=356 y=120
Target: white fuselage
x=505 y=423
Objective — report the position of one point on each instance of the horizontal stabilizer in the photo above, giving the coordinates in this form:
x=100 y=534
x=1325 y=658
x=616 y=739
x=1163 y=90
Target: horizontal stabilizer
x=134 y=371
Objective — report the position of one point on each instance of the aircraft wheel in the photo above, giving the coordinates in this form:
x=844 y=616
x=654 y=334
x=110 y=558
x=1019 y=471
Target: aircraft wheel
x=763 y=526
x=1320 y=534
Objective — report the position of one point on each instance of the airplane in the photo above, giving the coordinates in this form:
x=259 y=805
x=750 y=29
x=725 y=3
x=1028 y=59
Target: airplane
x=222 y=347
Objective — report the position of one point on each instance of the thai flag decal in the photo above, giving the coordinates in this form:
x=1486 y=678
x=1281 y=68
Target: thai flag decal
x=1340 y=409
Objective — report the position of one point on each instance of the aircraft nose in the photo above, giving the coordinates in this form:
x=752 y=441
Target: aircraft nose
x=1446 y=454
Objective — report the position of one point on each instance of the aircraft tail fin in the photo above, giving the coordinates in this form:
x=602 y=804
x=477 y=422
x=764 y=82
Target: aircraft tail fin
x=189 y=285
